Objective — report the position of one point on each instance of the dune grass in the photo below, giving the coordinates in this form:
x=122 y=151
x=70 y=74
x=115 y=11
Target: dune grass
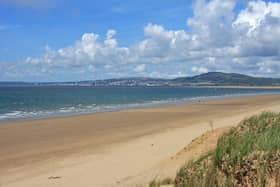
x=258 y=133
x=158 y=183
x=249 y=155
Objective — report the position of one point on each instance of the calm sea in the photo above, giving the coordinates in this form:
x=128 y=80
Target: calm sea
x=41 y=102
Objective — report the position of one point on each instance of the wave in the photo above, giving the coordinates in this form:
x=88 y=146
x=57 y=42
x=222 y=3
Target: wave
x=94 y=108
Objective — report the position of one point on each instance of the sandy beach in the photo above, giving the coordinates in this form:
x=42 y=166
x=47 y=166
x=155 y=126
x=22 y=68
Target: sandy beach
x=121 y=148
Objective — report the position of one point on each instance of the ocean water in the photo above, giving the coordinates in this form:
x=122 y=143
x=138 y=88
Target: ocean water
x=41 y=102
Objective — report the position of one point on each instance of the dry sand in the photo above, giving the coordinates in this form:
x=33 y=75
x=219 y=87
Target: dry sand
x=122 y=148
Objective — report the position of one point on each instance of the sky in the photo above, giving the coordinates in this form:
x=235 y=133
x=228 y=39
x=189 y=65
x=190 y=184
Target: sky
x=69 y=40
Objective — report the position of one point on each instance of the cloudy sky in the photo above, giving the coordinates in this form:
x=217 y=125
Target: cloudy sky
x=62 y=40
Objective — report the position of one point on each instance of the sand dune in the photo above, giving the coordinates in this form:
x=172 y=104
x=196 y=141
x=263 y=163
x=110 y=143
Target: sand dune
x=122 y=148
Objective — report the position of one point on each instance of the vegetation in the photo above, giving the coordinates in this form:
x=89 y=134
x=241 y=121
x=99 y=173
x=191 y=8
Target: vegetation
x=249 y=155
x=158 y=183
x=227 y=79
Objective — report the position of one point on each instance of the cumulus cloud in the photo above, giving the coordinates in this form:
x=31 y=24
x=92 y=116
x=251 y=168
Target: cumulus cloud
x=88 y=50
x=211 y=23
x=140 y=68
x=196 y=69
x=256 y=13
x=217 y=39
x=259 y=28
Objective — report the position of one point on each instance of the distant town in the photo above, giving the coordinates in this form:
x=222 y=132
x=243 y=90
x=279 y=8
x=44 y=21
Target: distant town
x=207 y=79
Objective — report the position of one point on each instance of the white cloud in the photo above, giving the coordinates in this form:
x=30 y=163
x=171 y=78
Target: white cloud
x=270 y=67
x=110 y=41
x=218 y=39
x=256 y=13
x=211 y=23
x=199 y=70
x=140 y=68
x=86 y=51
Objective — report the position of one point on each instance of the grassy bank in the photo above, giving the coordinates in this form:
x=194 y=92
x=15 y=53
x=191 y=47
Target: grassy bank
x=248 y=155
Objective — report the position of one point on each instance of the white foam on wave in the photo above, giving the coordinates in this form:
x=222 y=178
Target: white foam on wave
x=93 y=108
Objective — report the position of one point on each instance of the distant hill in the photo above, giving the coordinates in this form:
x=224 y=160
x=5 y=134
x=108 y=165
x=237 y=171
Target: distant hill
x=227 y=79
x=207 y=79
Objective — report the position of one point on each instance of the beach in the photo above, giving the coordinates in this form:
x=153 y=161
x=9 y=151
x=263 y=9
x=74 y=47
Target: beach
x=120 y=148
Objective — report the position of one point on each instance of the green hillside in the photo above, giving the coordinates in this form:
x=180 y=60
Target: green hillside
x=218 y=78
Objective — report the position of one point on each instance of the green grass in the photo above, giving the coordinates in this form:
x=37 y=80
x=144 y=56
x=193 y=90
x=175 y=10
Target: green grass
x=158 y=183
x=258 y=133
x=154 y=183
x=248 y=155
x=196 y=173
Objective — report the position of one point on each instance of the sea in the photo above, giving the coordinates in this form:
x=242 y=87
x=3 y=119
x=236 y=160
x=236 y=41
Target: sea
x=44 y=102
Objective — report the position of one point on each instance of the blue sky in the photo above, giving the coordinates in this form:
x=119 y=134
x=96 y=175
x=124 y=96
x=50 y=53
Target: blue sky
x=59 y=40
x=59 y=22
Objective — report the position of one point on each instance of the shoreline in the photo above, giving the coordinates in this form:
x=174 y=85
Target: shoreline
x=112 y=148
x=152 y=104
x=245 y=87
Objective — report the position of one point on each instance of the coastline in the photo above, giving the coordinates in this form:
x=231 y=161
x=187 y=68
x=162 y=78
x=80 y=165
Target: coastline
x=149 y=104
x=245 y=87
x=131 y=141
